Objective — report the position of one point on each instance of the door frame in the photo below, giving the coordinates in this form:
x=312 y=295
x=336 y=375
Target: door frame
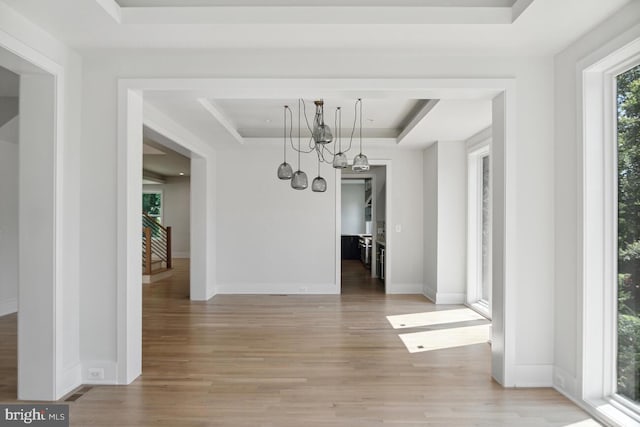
x=374 y=217
x=504 y=170
x=41 y=307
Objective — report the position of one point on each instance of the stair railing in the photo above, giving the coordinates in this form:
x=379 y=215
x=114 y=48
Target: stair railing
x=156 y=240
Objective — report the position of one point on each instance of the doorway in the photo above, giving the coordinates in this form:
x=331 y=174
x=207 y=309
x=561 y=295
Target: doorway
x=31 y=256
x=166 y=195
x=504 y=232
x=363 y=245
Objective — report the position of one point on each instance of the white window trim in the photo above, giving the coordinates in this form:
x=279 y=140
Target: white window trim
x=599 y=236
x=474 y=228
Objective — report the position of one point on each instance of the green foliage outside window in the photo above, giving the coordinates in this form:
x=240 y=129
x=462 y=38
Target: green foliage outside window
x=628 y=100
x=151 y=204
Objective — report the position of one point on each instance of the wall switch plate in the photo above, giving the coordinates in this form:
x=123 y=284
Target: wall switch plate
x=398 y=228
x=96 y=373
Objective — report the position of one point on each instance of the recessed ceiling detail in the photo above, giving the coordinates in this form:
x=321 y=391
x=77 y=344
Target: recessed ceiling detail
x=345 y=12
x=262 y=118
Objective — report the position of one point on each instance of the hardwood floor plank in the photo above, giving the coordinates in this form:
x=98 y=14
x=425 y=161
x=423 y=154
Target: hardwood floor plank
x=256 y=360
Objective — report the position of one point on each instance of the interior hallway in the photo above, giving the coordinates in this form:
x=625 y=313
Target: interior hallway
x=258 y=360
x=356 y=279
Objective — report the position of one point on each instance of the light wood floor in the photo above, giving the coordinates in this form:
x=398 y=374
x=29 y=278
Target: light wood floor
x=356 y=279
x=299 y=361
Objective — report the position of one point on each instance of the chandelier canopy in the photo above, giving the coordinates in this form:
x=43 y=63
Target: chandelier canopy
x=319 y=143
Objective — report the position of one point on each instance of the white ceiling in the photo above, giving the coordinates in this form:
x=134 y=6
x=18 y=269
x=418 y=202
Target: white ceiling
x=543 y=28
x=451 y=120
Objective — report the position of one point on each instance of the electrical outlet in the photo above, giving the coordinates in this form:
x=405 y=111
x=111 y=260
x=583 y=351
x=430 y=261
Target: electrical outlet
x=304 y=289
x=560 y=381
x=96 y=373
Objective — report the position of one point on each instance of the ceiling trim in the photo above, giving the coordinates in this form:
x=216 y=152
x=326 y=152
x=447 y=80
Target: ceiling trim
x=217 y=113
x=519 y=7
x=420 y=115
x=154 y=177
x=279 y=88
x=480 y=136
x=312 y=15
x=112 y=8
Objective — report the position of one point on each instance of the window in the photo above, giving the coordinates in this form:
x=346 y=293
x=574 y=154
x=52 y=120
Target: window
x=628 y=239
x=610 y=217
x=479 y=231
x=152 y=204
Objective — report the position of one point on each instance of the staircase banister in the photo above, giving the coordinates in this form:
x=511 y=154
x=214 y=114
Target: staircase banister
x=150 y=218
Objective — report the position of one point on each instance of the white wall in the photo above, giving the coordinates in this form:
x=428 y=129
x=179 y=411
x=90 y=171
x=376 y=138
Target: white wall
x=430 y=177
x=452 y=222
x=352 y=209
x=445 y=222
x=176 y=212
x=272 y=238
x=614 y=33
x=8 y=227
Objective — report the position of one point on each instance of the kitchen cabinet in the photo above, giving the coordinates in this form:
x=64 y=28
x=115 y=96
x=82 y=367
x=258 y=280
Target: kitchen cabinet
x=350 y=248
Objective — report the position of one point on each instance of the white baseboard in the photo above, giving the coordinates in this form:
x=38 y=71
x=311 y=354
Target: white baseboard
x=109 y=369
x=8 y=306
x=565 y=383
x=430 y=293
x=278 y=288
x=450 y=298
x=442 y=297
x=70 y=379
x=405 y=288
x=180 y=255
x=533 y=376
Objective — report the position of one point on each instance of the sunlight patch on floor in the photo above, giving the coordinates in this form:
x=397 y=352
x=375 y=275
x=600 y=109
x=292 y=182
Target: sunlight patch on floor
x=417 y=342
x=433 y=318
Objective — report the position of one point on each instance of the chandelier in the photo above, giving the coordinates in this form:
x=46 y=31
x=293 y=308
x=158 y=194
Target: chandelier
x=319 y=143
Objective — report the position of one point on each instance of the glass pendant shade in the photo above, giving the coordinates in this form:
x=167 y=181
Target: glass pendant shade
x=285 y=171
x=340 y=161
x=360 y=163
x=319 y=185
x=322 y=134
x=299 y=180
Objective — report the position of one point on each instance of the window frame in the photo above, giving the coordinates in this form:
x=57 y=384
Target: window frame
x=475 y=155
x=627 y=405
x=598 y=272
